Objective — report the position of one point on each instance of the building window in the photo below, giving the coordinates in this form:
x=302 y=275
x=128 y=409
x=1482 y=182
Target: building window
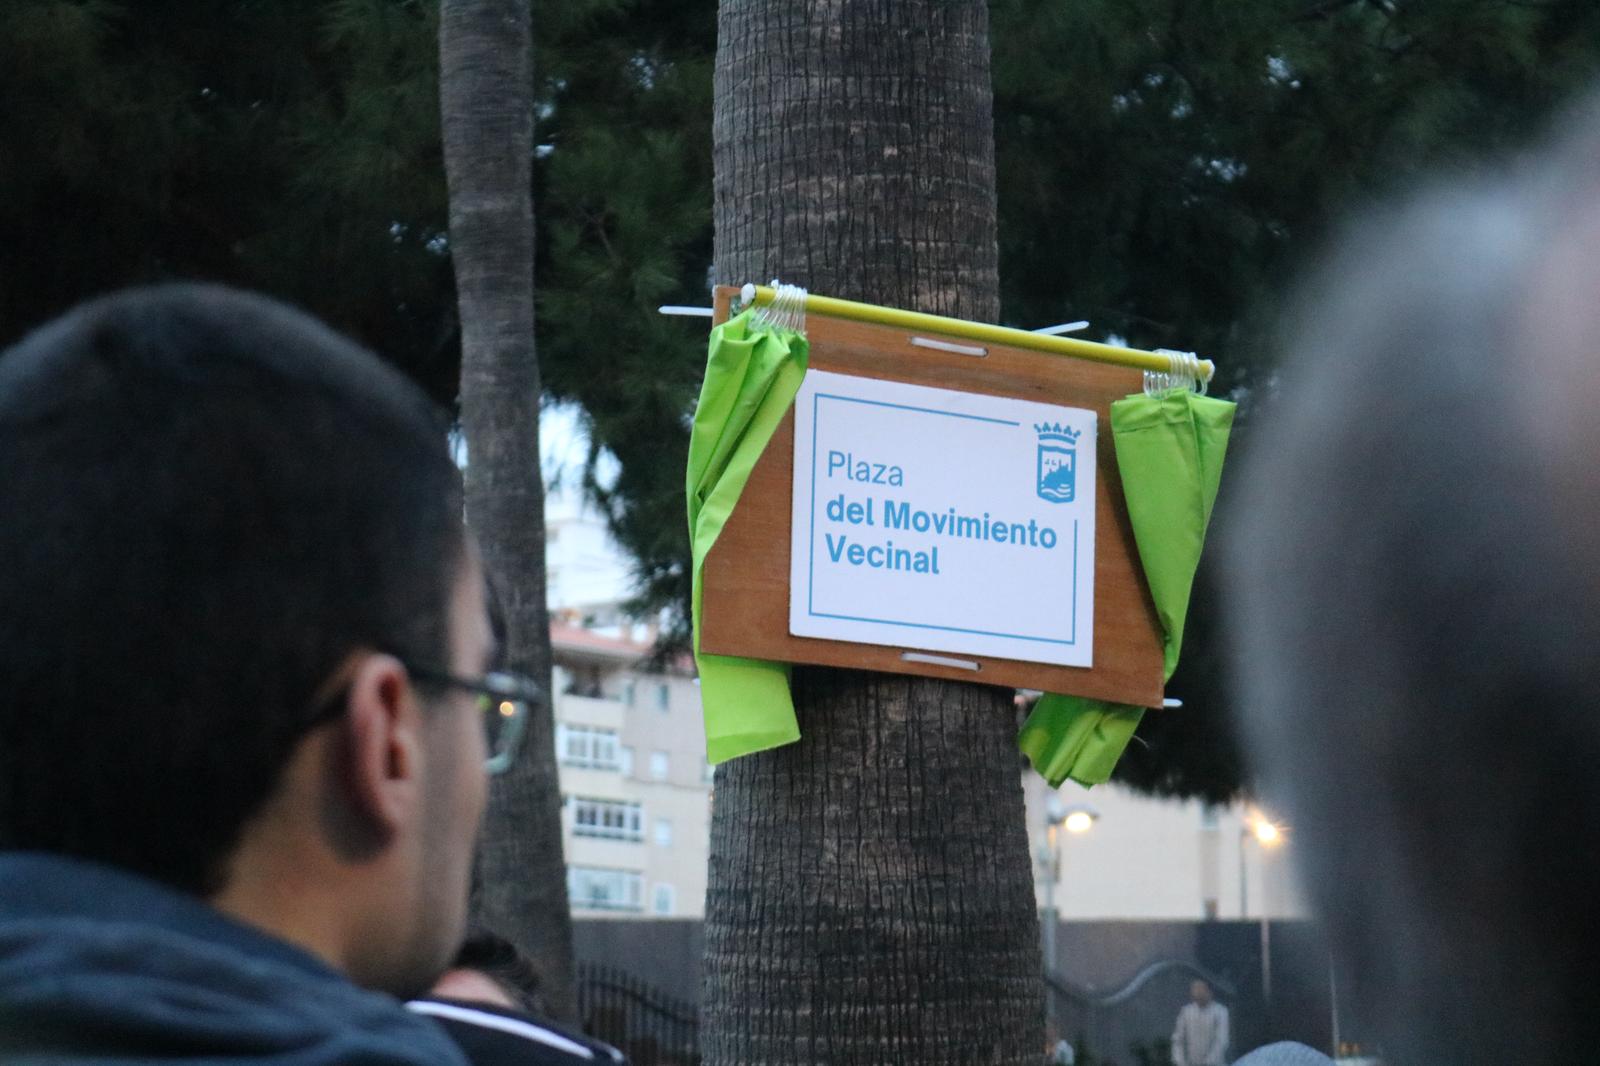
x=607 y=818
x=625 y=760
x=585 y=682
x=582 y=746
x=591 y=888
x=664 y=832
x=663 y=697
x=627 y=691
x=1208 y=816
x=665 y=899
x=659 y=765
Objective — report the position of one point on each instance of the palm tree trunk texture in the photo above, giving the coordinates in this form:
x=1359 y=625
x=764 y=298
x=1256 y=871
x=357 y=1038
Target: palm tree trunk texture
x=486 y=100
x=870 y=895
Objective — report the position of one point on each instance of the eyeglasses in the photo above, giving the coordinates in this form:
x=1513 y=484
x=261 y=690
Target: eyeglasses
x=504 y=700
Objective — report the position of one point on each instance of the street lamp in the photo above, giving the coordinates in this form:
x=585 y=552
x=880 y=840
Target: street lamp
x=1079 y=821
x=1075 y=818
x=1268 y=834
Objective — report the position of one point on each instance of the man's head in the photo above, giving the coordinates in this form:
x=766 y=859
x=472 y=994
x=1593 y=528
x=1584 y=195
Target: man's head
x=228 y=537
x=1200 y=993
x=1416 y=607
x=490 y=969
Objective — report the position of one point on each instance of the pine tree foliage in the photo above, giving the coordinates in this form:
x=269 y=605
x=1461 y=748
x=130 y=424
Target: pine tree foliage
x=290 y=147
x=625 y=202
x=1163 y=163
x=293 y=147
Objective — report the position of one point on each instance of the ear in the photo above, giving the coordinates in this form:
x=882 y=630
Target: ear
x=381 y=760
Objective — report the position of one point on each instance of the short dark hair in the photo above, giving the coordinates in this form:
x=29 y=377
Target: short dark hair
x=487 y=952
x=1415 y=620
x=207 y=501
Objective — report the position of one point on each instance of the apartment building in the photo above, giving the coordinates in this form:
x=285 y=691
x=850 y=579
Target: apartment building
x=1117 y=854
x=636 y=794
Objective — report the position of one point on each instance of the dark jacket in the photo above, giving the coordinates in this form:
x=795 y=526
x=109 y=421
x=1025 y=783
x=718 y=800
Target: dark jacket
x=100 y=966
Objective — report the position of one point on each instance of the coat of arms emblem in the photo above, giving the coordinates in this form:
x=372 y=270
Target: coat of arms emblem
x=1058 y=462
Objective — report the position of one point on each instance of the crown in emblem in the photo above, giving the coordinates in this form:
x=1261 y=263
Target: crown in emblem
x=1057 y=432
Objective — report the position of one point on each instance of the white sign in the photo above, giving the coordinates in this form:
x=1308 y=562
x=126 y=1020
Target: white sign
x=947 y=521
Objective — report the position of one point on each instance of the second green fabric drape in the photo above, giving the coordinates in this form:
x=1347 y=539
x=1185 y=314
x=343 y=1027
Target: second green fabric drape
x=1170 y=448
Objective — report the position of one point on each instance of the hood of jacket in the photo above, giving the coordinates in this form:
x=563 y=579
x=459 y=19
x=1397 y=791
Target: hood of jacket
x=101 y=966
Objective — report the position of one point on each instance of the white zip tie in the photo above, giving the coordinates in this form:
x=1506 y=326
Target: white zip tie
x=947 y=346
x=940 y=660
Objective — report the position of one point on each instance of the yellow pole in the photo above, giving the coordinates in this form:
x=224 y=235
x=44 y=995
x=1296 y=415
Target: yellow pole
x=978 y=331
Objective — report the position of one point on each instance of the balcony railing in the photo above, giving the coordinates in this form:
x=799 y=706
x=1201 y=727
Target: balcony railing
x=608 y=832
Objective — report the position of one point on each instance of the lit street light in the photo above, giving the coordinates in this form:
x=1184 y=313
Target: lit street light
x=1268 y=835
x=1077 y=818
x=1078 y=821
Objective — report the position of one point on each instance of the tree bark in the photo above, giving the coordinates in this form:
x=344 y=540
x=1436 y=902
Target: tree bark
x=486 y=102
x=870 y=896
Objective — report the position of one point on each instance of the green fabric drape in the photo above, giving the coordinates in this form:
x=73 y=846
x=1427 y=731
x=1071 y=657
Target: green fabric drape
x=1169 y=449
x=752 y=375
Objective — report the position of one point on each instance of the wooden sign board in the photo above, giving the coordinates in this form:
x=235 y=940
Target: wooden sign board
x=745 y=609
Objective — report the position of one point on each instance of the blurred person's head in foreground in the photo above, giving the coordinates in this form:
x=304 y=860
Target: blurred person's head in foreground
x=1284 y=1053
x=1414 y=548
x=234 y=582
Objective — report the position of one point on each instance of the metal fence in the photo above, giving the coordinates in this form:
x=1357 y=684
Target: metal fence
x=650 y=1027
x=1128 y=1026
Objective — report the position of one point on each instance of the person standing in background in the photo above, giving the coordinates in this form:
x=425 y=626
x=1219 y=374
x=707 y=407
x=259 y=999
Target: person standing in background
x=1201 y=1035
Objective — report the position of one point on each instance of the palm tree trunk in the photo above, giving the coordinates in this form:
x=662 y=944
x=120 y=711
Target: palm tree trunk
x=486 y=100
x=870 y=896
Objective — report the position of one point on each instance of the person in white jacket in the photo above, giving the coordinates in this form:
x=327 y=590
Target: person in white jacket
x=1201 y=1035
